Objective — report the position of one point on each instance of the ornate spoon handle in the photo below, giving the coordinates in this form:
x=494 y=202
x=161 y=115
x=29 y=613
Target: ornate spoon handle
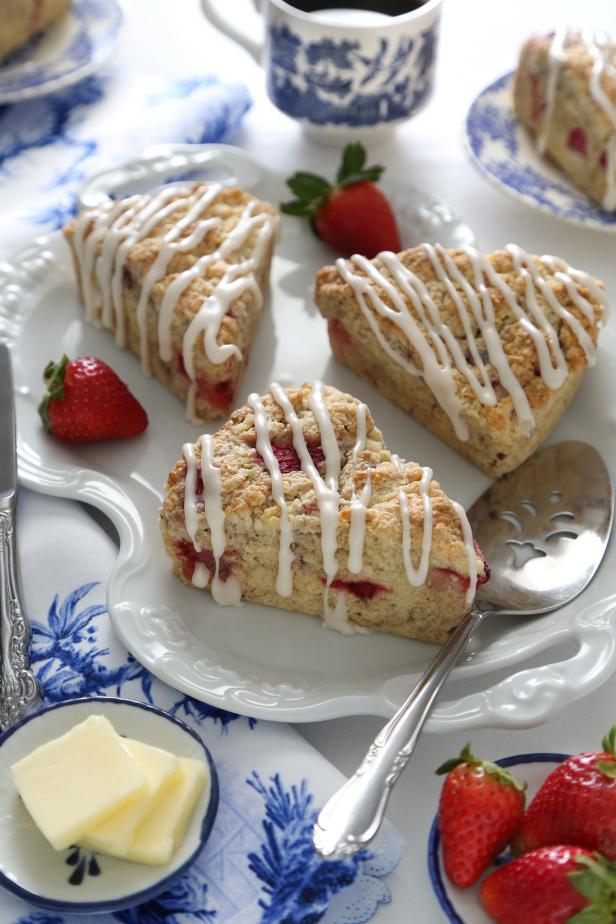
x=353 y=815
x=18 y=687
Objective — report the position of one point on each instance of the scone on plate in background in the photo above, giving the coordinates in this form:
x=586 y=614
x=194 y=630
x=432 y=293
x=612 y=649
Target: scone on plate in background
x=21 y=20
x=565 y=94
x=297 y=503
x=485 y=351
x=179 y=277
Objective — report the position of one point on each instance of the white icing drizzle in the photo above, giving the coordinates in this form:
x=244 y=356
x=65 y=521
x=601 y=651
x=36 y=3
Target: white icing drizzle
x=201 y=576
x=357 y=529
x=601 y=52
x=229 y=592
x=284 y=580
x=417 y=576
x=467 y=533
x=328 y=498
x=440 y=352
x=124 y=224
x=172 y=243
x=555 y=57
x=191 y=519
x=360 y=439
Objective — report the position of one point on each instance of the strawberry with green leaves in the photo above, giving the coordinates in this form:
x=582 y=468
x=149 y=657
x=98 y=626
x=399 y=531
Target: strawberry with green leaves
x=354 y=215
x=552 y=885
x=86 y=401
x=576 y=804
x=480 y=810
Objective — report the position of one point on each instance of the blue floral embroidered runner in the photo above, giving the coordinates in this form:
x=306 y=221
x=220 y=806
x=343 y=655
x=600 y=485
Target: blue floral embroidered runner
x=48 y=146
x=259 y=866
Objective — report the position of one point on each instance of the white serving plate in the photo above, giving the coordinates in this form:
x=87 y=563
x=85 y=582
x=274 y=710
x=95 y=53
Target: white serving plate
x=73 y=47
x=74 y=880
x=256 y=660
x=506 y=154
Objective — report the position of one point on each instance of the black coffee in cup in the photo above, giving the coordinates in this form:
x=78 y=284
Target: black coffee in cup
x=387 y=7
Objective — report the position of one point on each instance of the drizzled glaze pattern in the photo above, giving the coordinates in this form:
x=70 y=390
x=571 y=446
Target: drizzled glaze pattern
x=326 y=486
x=416 y=314
x=602 y=54
x=103 y=238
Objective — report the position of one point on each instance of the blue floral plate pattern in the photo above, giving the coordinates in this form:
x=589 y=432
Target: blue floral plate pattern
x=461 y=906
x=504 y=151
x=69 y=50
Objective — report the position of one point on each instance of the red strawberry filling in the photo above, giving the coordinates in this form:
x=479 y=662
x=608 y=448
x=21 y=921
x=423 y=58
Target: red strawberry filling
x=218 y=394
x=188 y=555
x=179 y=359
x=365 y=590
x=603 y=159
x=578 y=141
x=338 y=333
x=537 y=98
x=448 y=580
x=288 y=459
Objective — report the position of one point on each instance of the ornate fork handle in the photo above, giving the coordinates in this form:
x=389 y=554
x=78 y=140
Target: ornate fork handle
x=353 y=815
x=18 y=687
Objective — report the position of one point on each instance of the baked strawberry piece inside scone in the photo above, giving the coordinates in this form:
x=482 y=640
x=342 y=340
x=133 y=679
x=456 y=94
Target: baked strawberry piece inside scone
x=297 y=503
x=179 y=277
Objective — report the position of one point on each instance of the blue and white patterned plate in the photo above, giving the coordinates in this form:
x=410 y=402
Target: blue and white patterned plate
x=506 y=154
x=69 y=50
x=461 y=906
x=74 y=880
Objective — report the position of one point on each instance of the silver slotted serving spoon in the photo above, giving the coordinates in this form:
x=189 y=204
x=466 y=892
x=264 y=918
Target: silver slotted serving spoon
x=544 y=529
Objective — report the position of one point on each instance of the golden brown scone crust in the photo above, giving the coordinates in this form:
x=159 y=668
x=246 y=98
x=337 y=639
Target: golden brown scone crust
x=497 y=442
x=217 y=383
x=252 y=521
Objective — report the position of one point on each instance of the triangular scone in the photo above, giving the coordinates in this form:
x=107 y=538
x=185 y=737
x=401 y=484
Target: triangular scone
x=297 y=493
x=485 y=351
x=180 y=278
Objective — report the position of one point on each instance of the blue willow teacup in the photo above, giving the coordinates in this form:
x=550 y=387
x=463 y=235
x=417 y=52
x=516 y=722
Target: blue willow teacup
x=346 y=72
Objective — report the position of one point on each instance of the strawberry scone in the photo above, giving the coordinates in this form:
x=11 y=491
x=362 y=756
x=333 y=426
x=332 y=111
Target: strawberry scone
x=485 y=351
x=179 y=277
x=565 y=94
x=296 y=503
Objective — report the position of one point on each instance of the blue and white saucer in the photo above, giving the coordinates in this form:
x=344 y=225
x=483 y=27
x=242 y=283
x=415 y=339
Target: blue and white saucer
x=72 y=48
x=461 y=906
x=75 y=880
x=506 y=154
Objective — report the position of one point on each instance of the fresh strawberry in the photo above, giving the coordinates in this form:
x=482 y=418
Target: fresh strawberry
x=552 y=885
x=575 y=805
x=86 y=401
x=480 y=810
x=354 y=215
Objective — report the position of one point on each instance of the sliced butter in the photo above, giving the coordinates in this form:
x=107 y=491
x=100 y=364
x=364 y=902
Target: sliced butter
x=163 y=829
x=114 y=835
x=76 y=781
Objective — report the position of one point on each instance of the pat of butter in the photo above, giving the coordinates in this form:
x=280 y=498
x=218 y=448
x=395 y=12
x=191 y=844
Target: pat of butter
x=114 y=835
x=74 y=782
x=162 y=831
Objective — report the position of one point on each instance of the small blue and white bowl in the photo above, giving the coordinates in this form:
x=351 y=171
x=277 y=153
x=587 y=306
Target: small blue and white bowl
x=461 y=906
x=77 y=881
